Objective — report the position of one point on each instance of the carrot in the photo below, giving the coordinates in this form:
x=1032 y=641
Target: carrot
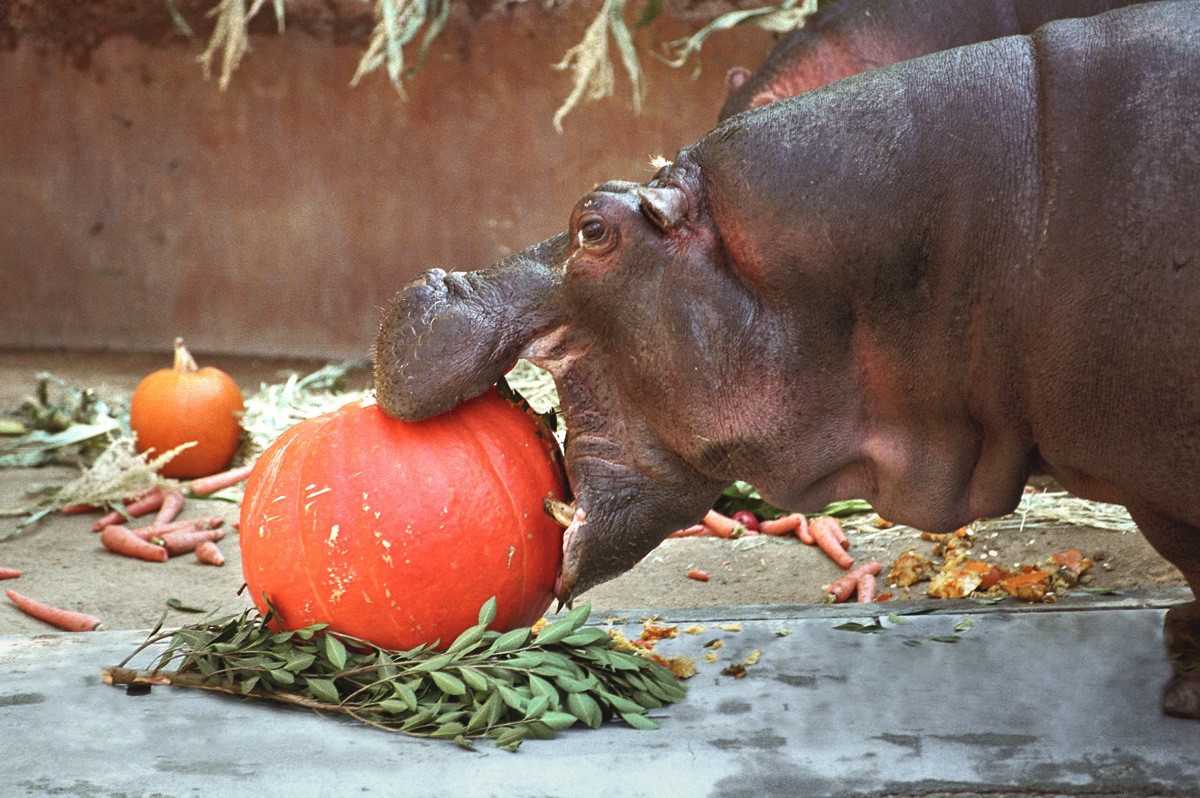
x=208 y=553
x=840 y=535
x=77 y=509
x=214 y=483
x=186 y=540
x=822 y=531
x=698 y=575
x=171 y=506
x=186 y=525
x=866 y=588
x=119 y=540
x=782 y=525
x=63 y=619
x=690 y=532
x=9 y=573
x=803 y=532
x=146 y=504
x=723 y=526
x=841 y=590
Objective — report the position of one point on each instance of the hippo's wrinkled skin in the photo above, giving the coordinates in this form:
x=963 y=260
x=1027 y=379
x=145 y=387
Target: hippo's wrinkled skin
x=846 y=37
x=917 y=286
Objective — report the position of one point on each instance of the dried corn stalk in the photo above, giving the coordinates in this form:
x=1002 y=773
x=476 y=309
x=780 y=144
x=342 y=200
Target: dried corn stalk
x=397 y=24
x=231 y=35
x=591 y=68
x=784 y=17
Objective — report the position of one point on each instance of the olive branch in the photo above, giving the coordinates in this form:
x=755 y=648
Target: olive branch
x=509 y=686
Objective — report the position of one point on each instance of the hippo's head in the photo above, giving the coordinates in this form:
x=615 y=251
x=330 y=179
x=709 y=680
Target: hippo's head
x=635 y=312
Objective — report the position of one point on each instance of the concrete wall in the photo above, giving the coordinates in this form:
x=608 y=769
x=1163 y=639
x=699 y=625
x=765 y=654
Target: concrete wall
x=138 y=202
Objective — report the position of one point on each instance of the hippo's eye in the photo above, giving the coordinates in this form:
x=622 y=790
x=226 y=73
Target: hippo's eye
x=595 y=233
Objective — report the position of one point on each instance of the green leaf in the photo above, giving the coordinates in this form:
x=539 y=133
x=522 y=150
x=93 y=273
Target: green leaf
x=537 y=707
x=450 y=685
x=964 y=625
x=307 y=632
x=510 y=641
x=448 y=731
x=473 y=679
x=572 y=685
x=854 y=626
x=898 y=619
x=462 y=742
x=513 y=698
x=434 y=663
x=986 y=600
x=538 y=730
x=422 y=717
x=487 y=613
x=322 y=690
x=299 y=661
x=248 y=684
x=945 y=638
x=1100 y=591
x=540 y=687
x=912 y=643
x=555 y=632
x=335 y=652
x=467 y=639
x=844 y=508
x=176 y=604
x=405 y=694
x=587 y=637
x=558 y=720
x=584 y=707
x=486 y=713
x=639 y=721
x=280 y=676
x=621 y=704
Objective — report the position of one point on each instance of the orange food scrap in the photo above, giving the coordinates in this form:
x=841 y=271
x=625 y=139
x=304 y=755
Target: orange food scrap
x=539 y=625
x=651 y=631
x=694 y=630
x=884 y=597
x=1030 y=586
x=954 y=583
x=1072 y=565
x=698 y=575
x=910 y=568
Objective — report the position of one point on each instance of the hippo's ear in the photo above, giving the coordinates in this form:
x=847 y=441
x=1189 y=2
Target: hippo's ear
x=736 y=78
x=666 y=206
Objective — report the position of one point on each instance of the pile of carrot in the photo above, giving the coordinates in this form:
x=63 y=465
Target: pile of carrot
x=861 y=581
x=824 y=532
x=166 y=537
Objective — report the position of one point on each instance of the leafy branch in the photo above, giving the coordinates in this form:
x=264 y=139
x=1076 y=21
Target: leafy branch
x=509 y=686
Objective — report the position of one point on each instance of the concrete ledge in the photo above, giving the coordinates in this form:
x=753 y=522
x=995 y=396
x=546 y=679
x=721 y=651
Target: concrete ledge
x=1041 y=701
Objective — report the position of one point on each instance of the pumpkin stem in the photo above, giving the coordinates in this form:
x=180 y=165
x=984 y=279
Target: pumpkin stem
x=183 y=358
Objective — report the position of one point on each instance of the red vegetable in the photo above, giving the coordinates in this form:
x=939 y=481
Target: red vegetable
x=842 y=589
x=120 y=540
x=157 y=530
x=698 y=575
x=187 y=403
x=691 y=532
x=723 y=526
x=9 y=573
x=782 y=525
x=747 y=519
x=186 y=540
x=208 y=553
x=143 y=505
x=214 y=483
x=398 y=532
x=824 y=531
x=866 y=588
x=63 y=619
x=172 y=504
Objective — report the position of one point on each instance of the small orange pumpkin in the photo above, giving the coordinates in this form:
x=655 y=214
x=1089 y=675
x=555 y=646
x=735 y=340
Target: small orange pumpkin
x=187 y=403
x=397 y=532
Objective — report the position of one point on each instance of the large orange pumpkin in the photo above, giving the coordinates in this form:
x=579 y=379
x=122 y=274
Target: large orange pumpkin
x=187 y=403
x=398 y=532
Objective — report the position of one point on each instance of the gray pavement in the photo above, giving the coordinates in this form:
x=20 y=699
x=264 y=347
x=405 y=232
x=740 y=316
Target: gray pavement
x=1057 y=700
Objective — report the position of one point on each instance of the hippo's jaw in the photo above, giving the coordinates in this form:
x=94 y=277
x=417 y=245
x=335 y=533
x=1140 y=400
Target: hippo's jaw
x=630 y=491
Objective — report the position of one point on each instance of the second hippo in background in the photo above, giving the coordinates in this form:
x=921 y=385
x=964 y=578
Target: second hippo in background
x=846 y=37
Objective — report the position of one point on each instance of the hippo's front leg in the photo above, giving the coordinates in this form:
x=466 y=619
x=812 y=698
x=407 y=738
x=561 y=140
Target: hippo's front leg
x=1181 y=630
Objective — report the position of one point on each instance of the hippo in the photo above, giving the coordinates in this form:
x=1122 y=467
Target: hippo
x=846 y=37
x=918 y=286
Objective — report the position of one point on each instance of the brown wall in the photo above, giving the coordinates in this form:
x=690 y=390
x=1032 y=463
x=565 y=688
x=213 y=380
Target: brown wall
x=138 y=202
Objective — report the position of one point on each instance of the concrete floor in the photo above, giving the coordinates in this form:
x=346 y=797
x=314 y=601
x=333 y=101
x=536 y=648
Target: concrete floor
x=1059 y=700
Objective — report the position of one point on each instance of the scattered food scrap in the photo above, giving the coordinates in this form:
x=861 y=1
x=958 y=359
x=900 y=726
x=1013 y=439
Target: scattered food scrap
x=694 y=630
x=910 y=568
x=737 y=670
x=753 y=657
x=698 y=575
x=9 y=573
x=730 y=627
